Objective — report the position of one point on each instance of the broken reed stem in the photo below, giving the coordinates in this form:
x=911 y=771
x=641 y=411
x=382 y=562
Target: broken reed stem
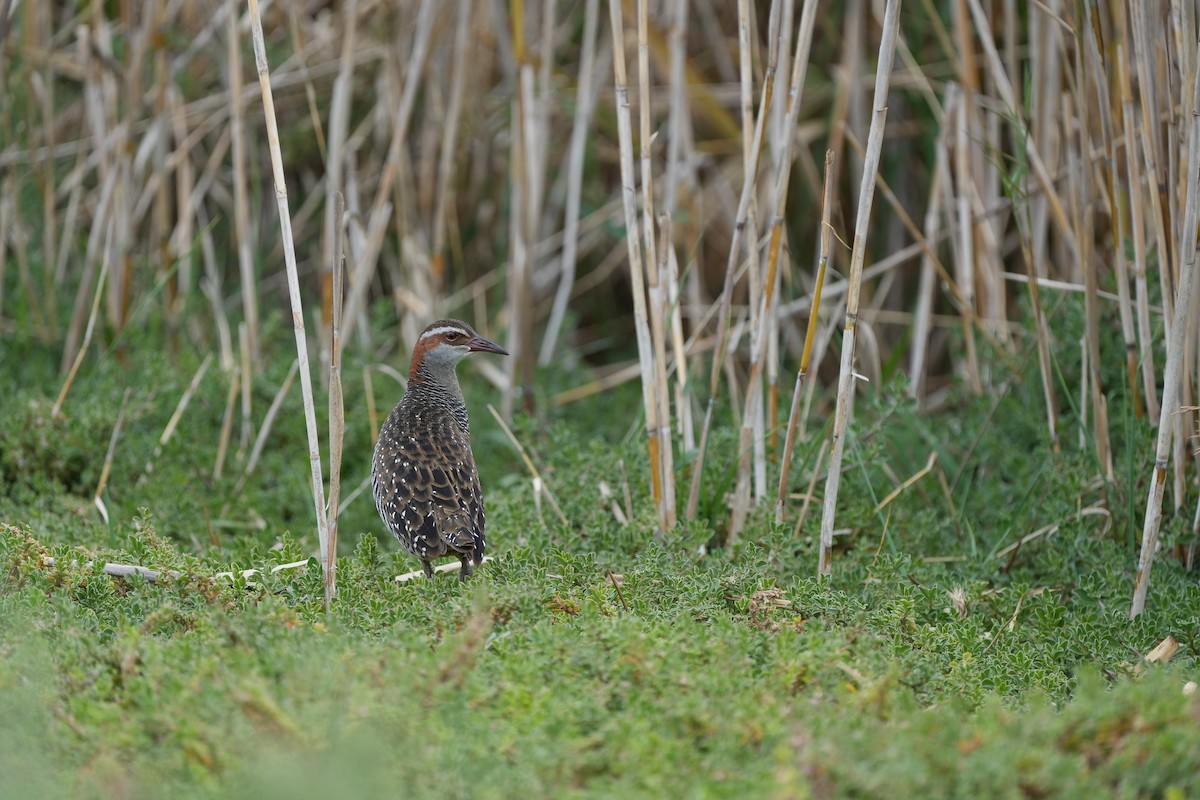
x=887 y=48
x=226 y=425
x=106 y=470
x=1176 y=347
x=826 y=239
x=726 y=301
x=337 y=408
x=634 y=249
x=529 y=465
x=289 y=252
x=180 y=407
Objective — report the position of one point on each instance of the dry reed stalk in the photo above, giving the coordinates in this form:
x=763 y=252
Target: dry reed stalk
x=812 y=485
x=1111 y=126
x=677 y=105
x=1031 y=223
x=887 y=49
x=540 y=484
x=337 y=408
x=752 y=419
x=636 y=272
x=656 y=270
x=335 y=167
x=965 y=261
x=366 y=256
x=528 y=170
x=922 y=323
x=1133 y=166
x=226 y=425
x=585 y=104
x=106 y=470
x=754 y=280
x=264 y=430
x=106 y=259
x=181 y=242
x=749 y=180
x=826 y=237
x=677 y=164
x=1086 y=234
x=173 y=422
x=6 y=203
x=241 y=192
x=247 y=389
x=1176 y=345
x=660 y=313
x=289 y=250
x=450 y=132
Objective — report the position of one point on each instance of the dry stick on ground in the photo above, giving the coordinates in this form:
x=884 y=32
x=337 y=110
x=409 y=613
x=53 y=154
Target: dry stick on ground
x=726 y=303
x=529 y=465
x=1176 y=347
x=887 y=49
x=289 y=251
x=585 y=104
x=754 y=402
x=98 y=497
x=634 y=249
x=337 y=409
x=789 y=442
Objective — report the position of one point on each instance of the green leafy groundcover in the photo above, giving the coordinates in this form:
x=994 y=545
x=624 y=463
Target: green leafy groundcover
x=699 y=678
x=943 y=658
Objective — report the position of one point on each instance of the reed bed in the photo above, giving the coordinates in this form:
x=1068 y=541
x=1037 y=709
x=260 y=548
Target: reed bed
x=502 y=162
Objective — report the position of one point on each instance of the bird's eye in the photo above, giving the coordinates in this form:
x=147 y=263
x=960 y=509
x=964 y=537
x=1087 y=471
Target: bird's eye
x=451 y=336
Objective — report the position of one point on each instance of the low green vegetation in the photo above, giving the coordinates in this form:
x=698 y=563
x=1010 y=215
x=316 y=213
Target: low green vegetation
x=589 y=658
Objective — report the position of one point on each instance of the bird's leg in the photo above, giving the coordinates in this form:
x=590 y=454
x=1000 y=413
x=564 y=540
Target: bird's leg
x=425 y=565
x=465 y=572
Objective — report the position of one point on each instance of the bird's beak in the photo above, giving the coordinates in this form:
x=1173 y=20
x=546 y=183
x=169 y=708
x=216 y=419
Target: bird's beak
x=482 y=345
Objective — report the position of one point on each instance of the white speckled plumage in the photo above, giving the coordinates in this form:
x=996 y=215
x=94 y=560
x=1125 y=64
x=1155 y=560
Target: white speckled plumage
x=423 y=472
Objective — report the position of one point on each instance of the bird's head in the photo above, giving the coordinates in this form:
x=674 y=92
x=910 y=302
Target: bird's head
x=446 y=342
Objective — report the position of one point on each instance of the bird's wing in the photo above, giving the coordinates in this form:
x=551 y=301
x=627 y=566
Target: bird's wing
x=404 y=496
x=428 y=491
x=457 y=499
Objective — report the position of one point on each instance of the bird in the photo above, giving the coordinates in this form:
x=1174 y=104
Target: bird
x=423 y=473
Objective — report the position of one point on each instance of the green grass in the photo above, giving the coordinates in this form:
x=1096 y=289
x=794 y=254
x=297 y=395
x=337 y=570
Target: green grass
x=729 y=673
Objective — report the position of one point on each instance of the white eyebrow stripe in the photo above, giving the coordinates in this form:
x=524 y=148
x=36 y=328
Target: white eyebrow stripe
x=443 y=329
